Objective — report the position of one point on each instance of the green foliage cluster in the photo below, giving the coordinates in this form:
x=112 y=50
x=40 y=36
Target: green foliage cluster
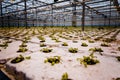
x=84 y=45
x=17 y=59
x=64 y=44
x=98 y=38
x=73 y=50
x=23 y=45
x=65 y=76
x=4 y=44
x=56 y=39
x=88 y=60
x=96 y=49
x=22 y=49
x=41 y=38
x=20 y=58
x=33 y=33
x=9 y=41
x=109 y=40
x=28 y=57
x=53 y=60
x=91 y=41
x=42 y=45
x=105 y=44
x=27 y=38
x=83 y=38
x=46 y=50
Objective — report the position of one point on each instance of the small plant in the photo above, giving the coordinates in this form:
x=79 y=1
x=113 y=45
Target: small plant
x=65 y=76
x=42 y=45
x=46 y=50
x=83 y=38
x=42 y=39
x=23 y=45
x=53 y=38
x=25 y=41
x=57 y=40
x=27 y=38
x=118 y=58
x=28 y=57
x=98 y=38
x=64 y=44
x=73 y=50
x=17 y=59
x=84 y=44
x=9 y=41
x=5 y=45
x=91 y=41
x=22 y=49
x=33 y=33
x=53 y=60
x=105 y=44
x=88 y=60
x=109 y=40
x=96 y=49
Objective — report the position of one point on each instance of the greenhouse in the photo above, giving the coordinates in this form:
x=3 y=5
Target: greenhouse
x=59 y=39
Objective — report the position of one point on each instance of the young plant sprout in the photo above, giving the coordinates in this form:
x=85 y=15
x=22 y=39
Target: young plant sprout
x=73 y=50
x=22 y=49
x=64 y=44
x=88 y=60
x=18 y=59
x=84 y=45
x=105 y=44
x=46 y=50
x=91 y=41
x=96 y=50
x=43 y=45
x=53 y=60
x=23 y=45
x=4 y=45
x=28 y=57
x=42 y=39
x=65 y=76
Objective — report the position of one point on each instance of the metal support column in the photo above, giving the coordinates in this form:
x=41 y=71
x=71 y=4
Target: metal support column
x=25 y=12
x=33 y=22
x=91 y=18
x=18 y=21
x=52 y=16
x=74 y=21
x=8 y=21
x=110 y=15
x=1 y=19
x=83 y=15
x=36 y=18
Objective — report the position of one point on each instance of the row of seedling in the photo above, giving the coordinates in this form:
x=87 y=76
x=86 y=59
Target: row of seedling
x=22 y=47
